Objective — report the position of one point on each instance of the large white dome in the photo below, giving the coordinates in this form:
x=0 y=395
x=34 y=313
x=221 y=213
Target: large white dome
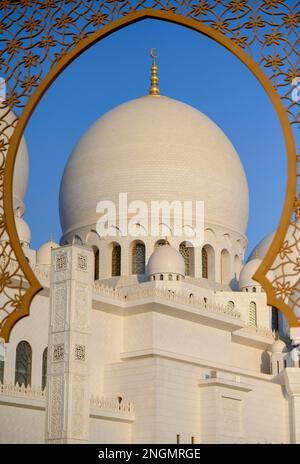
x=154 y=148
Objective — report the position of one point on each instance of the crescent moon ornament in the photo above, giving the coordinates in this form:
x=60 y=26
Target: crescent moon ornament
x=154 y=53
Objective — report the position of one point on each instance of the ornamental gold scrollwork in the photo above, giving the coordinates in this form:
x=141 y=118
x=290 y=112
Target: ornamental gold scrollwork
x=40 y=38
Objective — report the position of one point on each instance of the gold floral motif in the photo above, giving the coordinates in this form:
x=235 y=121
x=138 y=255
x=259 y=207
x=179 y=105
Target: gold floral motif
x=200 y=8
x=283 y=289
x=291 y=20
x=238 y=5
x=273 y=38
x=285 y=249
x=274 y=61
x=255 y=22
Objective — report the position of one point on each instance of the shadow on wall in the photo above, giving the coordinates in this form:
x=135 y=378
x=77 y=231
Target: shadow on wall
x=234 y=284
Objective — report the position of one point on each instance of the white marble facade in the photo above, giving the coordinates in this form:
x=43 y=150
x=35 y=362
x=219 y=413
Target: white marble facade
x=145 y=346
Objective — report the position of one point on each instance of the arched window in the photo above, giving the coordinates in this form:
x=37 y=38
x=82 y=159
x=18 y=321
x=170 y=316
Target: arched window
x=161 y=277
x=138 y=258
x=116 y=261
x=44 y=368
x=204 y=264
x=96 y=261
x=187 y=254
x=208 y=262
x=253 y=289
x=230 y=305
x=252 y=314
x=1 y=371
x=23 y=364
x=225 y=267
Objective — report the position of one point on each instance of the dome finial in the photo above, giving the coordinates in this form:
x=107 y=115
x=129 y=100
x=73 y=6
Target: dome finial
x=154 y=89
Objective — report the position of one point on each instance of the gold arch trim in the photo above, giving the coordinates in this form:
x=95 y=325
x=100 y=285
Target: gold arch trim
x=29 y=285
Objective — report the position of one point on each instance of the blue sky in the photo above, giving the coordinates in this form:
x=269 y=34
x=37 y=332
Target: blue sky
x=192 y=68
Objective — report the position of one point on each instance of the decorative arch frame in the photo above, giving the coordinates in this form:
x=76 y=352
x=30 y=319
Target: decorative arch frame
x=43 y=37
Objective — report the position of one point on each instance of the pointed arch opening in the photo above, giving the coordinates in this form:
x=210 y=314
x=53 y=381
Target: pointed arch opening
x=237 y=266
x=44 y=368
x=116 y=260
x=187 y=252
x=237 y=51
x=208 y=262
x=252 y=314
x=96 y=262
x=225 y=266
x=77 y=240
x=23 y=364
x=138 y=258
x=204 y=263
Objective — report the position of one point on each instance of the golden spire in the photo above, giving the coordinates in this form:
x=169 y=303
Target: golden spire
x=154 y=89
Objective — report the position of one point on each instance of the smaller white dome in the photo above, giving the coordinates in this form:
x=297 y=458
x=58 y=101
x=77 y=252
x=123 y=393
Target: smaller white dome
x=23 y=230
x=43 y=255
x=279 y=347
x=261 y=249
x=166 y=260
x=247 y=272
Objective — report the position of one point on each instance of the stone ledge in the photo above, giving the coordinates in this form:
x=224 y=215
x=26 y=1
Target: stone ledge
x=111 y=415
x=225 y=383
x=156 y=352
x=19 y=402
x=253 y=336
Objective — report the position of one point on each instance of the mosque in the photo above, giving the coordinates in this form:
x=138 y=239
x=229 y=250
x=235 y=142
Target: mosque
x=147 y=339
